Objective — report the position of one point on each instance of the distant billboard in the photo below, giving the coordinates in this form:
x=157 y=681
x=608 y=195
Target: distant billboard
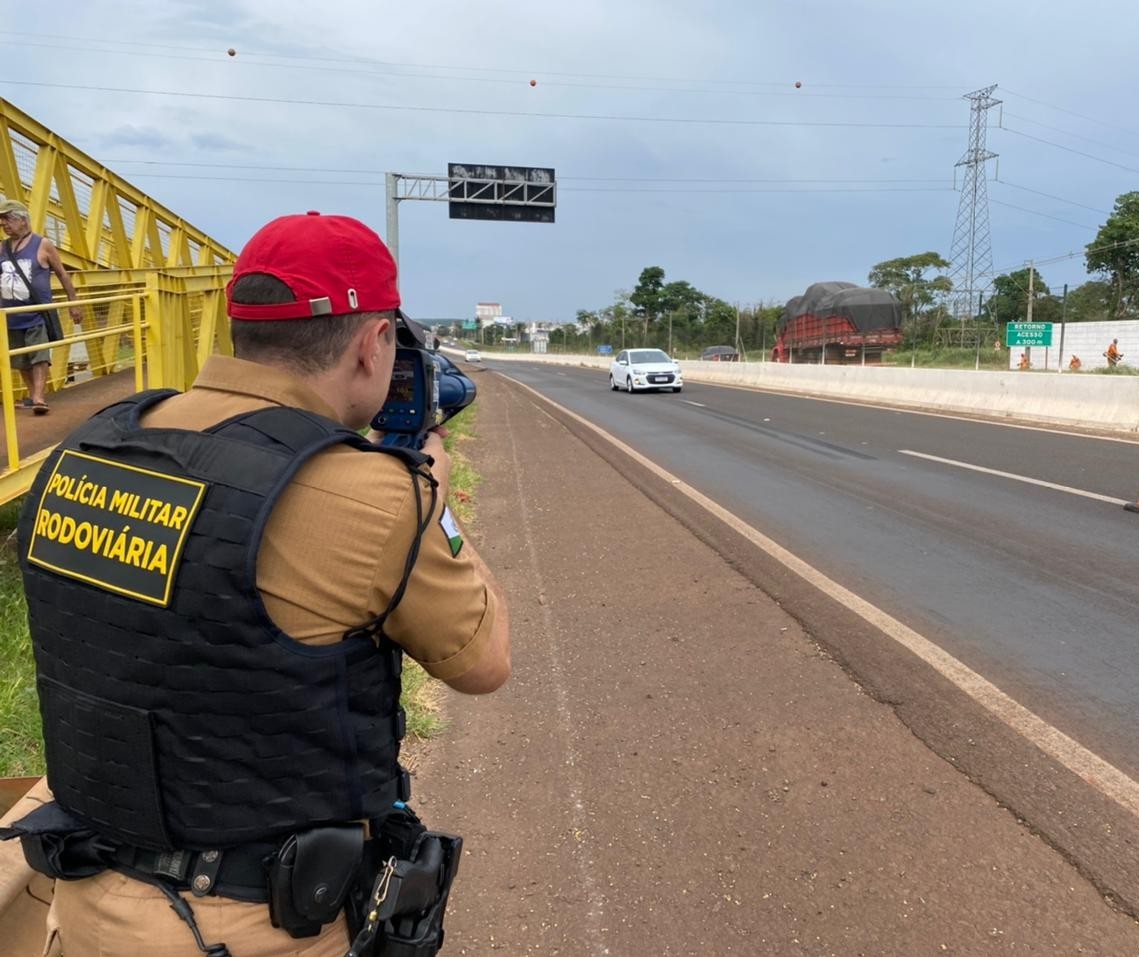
x=521 y=194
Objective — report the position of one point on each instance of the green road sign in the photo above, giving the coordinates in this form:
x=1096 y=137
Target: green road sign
x=1028 y=334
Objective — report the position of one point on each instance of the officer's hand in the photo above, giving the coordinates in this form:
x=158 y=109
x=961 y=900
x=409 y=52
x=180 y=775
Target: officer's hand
x=433 y=446
x=76 y=313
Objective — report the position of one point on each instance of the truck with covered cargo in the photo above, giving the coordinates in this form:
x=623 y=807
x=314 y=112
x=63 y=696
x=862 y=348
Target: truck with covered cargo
x=838 y=322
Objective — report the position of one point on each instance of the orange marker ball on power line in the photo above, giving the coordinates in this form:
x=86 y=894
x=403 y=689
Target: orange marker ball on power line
x=798 y=84
x=533 y=82
x=231 y=51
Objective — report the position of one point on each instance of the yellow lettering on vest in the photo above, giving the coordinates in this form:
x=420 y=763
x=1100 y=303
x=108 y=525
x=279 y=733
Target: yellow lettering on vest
x=163 y=516
x=54 y=483
x=157 y=561
x=67 y=530
x=134 y=552
x=120 y=501
x=118 y=550
x=75 y=487
x=178 y=517
x=53 y=527
x=100 y=498
x=42 y=517
x=83 y=535
x=99 y=538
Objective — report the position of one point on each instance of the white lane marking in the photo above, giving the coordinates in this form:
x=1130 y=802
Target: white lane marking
x=1015 y=477
x=699 y=405
x=1056 y=429
x=1086 y=764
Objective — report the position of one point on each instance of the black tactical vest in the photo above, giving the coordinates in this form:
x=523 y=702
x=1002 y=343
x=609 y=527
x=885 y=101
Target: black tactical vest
x=175 y=713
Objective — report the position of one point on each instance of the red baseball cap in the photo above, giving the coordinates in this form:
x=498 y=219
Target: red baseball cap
x=334 y=265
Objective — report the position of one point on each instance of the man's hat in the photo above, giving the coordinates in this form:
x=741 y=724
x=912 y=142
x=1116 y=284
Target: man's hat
x=334 y=265
x=12 y=206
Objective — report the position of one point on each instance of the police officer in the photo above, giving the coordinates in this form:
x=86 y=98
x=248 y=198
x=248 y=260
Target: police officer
x=220 y=584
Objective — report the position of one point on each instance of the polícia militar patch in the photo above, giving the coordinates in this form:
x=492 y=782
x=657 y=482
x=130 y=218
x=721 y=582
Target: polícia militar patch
x=116 y=526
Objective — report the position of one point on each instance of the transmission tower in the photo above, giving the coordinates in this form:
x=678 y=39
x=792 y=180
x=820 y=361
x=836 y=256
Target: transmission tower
x=971 y=269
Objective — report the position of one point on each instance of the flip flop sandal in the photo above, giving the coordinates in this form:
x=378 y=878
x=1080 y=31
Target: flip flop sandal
x=40 y=408
x=26 y=403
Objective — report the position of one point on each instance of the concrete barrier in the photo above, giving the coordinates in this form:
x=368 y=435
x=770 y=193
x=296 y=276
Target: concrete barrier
x=1077 y=399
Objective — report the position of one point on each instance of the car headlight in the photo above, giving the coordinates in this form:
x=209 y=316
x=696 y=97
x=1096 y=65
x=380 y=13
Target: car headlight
x=636 y=371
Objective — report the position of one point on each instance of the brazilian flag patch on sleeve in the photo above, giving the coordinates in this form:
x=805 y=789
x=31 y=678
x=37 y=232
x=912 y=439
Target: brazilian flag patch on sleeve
x=451 y=530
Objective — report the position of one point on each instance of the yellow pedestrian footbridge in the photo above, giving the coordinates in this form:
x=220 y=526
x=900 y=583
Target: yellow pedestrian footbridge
x=150 y=285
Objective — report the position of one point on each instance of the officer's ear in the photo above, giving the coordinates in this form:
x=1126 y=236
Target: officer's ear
x=375 y=336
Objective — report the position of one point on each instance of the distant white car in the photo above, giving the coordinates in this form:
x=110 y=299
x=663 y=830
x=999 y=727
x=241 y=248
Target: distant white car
x=473 y=355
x=635 y=370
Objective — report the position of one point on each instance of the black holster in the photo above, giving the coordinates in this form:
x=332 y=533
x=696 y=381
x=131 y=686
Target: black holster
x=397 y=910
x=311 y=876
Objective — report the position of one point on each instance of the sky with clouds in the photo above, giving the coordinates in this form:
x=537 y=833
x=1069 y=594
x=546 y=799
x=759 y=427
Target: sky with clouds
x=676 y=129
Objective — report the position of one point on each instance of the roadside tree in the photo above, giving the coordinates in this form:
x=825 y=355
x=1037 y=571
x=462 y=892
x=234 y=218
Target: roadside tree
x=1115 y=253
x=909 y=279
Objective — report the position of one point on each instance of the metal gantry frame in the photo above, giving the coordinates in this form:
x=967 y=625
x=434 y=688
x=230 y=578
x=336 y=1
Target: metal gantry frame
x=443 y=189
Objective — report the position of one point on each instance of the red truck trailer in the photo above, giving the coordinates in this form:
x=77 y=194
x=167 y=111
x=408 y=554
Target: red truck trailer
x=838 y=322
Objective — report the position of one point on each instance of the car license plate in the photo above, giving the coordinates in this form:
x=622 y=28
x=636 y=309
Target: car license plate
x=658 y=378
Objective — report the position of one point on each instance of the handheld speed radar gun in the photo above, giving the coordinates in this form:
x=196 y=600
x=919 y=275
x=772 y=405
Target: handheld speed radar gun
x=427 y=389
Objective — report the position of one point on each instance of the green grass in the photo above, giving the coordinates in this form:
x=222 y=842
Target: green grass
x=420 y=691
x=948 y=357
x=1116 y=370
x=21 y=741
x=21 y=738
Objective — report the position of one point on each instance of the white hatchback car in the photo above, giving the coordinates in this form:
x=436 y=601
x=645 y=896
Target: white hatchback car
x=473 y=355
x=636 y=369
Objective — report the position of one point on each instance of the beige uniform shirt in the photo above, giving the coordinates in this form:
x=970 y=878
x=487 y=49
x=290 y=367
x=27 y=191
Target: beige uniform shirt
x=332 y=555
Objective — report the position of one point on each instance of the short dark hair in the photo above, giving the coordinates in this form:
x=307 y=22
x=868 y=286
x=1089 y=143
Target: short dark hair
x=305 y=345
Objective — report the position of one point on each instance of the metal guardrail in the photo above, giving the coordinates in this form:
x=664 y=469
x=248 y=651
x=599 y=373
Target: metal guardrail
x=61 y=347
x=165 y=323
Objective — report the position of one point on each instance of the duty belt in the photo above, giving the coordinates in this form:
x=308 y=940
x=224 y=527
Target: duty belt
x=237 y=872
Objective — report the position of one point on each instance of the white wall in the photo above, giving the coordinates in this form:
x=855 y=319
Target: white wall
x=1088 y=340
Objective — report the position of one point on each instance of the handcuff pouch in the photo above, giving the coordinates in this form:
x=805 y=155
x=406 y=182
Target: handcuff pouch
x=311 y=875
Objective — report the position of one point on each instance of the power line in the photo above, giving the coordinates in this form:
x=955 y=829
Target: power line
x=1033 y=212
x=379 y=183
x=1069 y=149
x=704 y=121
x=1078 y=136
x=1082 y=116
x=1090 y=249
x=1060 y=199
x=482 y=69
x=561 y=178
x=512 y=81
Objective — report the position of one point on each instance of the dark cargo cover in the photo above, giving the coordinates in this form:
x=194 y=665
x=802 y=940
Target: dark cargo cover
x=868 y=309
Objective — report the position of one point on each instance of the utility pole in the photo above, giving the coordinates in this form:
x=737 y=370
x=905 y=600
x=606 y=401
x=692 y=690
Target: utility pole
x=972 y=254
x=1031 y=284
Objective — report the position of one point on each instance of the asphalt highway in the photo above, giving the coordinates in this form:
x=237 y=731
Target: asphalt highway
x=1007 y=547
